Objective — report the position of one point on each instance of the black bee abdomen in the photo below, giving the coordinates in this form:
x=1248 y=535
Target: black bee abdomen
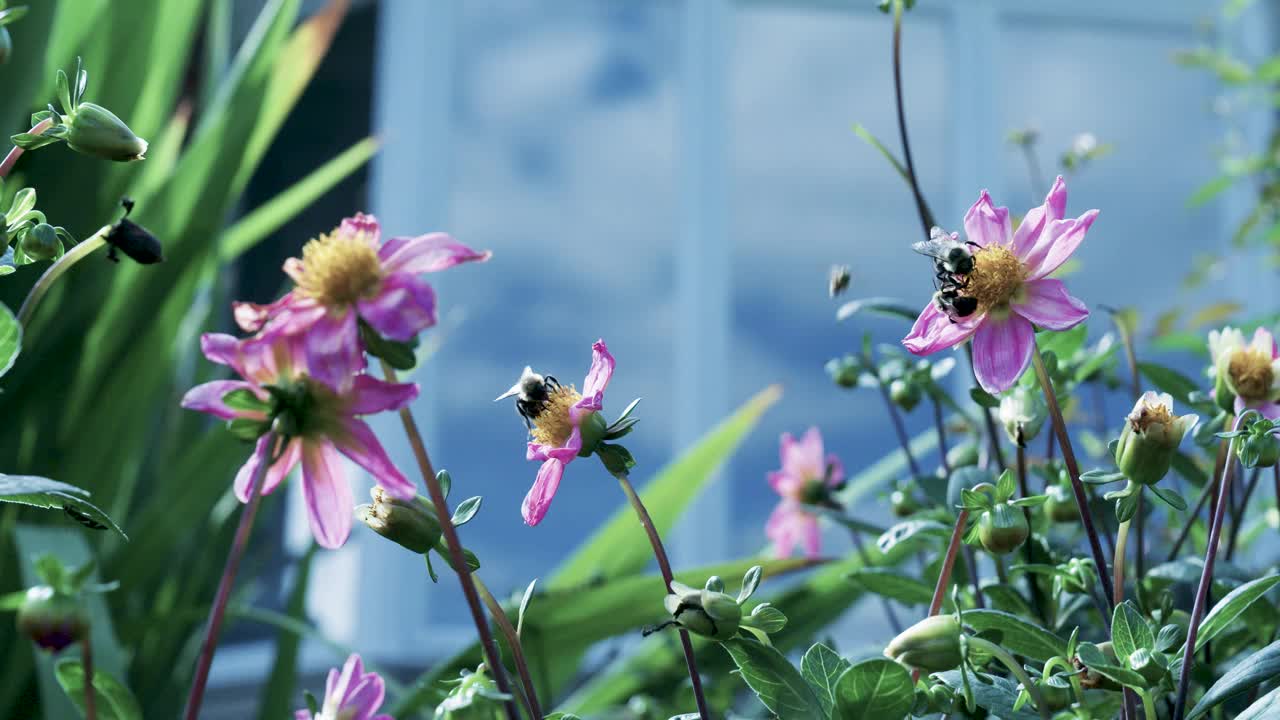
x=135 y=241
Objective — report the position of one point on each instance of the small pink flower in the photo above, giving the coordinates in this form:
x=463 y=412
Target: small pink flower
x=807 y=476
x=349 y=275
x=352 y=694
x=1250 y=371
x=320 y=421
x=559 y=427
x=1011 y=284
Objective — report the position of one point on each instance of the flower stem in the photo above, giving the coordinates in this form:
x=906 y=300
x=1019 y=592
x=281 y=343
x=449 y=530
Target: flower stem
x=1117 y=582
x=896 y=419
x=500 y=618
x=664 y=565
x=944 y=573
x=1037 y=599
x=457 y=560
x=1244 y=507
x=238 y=545
x=1077 y=488
x=1009 y=662
x=940 y=423
x=1205 y=494
x=86 y=663
x=922 y=208
x=12 y=158
x=55 y=271
x=1206 y=575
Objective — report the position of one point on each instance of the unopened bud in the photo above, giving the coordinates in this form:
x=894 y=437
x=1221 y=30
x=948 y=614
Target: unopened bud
x=1152 y=666
x=1150 y=438
x=413 y=524
x=1060 y=506
x=1003 y=529
x=844 y=371
x=95 y=130
x=931 y=645
x=905 y=395
x=707 y=612
x=52 y=620
x=41 y=241
x=903 y=503
x=1022 y=413
x=1257 y=450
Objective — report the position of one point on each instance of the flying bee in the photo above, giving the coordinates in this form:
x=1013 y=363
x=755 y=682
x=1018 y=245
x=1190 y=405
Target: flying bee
x=950 y=256
x=82 y=518
x=532 y=392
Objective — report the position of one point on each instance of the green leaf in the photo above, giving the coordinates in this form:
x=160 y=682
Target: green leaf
x=1230 y=607
x=1093 y=658
x=766 y=617
x=891 y=307
x=1129 y=630
x=113 y=701
x=871 y=140
x=774 y=680
x=875 y=688
x=822 y=667
x=995 y=694
x=911 y=530
x=894 y=585
x=984 y=398
x=466 y=510
x=278 y=691
x=1169 y=380
x=49 y=494
x=1171 y=497
x=10 y=339
x=1267 y=706
x=1245 y=675
x=1018 y=635
x=616 y=458
x=750 y=582
x=524 y=605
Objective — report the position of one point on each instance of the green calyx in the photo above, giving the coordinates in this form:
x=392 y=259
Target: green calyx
x=1003 y=529
x=931 y=645
x=412 y=524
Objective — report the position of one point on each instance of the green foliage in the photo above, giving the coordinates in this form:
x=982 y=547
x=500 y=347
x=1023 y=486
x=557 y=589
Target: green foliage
x=874 y=688
x=775 y=680
x=113 y=701
x=1245 y=675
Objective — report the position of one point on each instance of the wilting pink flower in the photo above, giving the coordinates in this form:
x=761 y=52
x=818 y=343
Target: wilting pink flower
x=352 y=694
x=1011 y=285
x=1249 y=371
x=319 y=421
x=565 y=425
x=350 y=275
x=807 y=476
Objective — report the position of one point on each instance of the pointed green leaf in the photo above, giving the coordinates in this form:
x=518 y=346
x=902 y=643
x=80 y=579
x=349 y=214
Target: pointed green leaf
x=1230 y=607
x=466 y=510
x=774 y=680
x=1018 y=635
x=1262 y=666
x=822 y=667
x=10 y=339
x=894 y=585
x=113 y=701
x=1129 y=630
x=876 y=688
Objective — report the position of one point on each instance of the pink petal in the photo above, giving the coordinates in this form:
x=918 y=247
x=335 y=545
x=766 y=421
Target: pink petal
x=812 y=535
x=370 y=395
x=207 y=398
x=986 y=224
x=1267 y=409
x=786 y=484
x=837 y=470
x=777 y=530
x=326 y=494
x=1062 y=237
x=1026 y=239
x=1046 y=303
x=251 y=316
x=934 y=331
x=804 y=459
x=338 y=684
x=1002 y=350
x=302 y=715
x=602 y=364
x=538 y=501
x=432 y=252
x=365 y=697
x=333 y=351
x=275 y=474
x=566 y=453
x=362 y=223
x=357 y=441
x=222 y=349
x=403 y=307
x=1265 y=341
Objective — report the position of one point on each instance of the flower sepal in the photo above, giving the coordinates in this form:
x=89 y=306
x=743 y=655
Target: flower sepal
x=412 y=524
x=714 y=614
x=616 y=458
x=399 y=355
x=1256 y=444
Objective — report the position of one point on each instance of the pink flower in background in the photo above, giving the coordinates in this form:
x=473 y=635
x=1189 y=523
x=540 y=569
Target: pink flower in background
x=320 y=421
x=567 y=423
x=1250 y=370
x=1011 y=285
x=350 y=275
x=807 y=476
x=352 y=694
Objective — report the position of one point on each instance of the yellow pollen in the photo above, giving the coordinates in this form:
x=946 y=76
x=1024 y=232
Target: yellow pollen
x=1250 y=372
x=1150 y=414
x=552 y=426
x=340 y=268
x=997 y=275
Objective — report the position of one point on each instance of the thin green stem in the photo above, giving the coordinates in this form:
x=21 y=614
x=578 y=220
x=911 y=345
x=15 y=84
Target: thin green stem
x=1208 y=491
x=530 y=695
x=664 y=565
x=899 y=428
x=1077 y=488
x=1009 y=662
x=457 y=560
x=12 y=158
x=1117 y=583
x=1148 y=704
x=1244 y=508
x=55 y=271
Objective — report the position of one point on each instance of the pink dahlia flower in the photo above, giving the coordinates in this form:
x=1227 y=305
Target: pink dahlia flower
x=1011 y=285
x=350 y=275
x=319 y=422
x=352 y=694
x=807 y=477
x=1249 y=371
x=566 y=426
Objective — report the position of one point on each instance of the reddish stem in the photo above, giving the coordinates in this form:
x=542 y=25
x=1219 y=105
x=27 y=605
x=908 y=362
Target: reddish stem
x=12 y=158
x=944 y=575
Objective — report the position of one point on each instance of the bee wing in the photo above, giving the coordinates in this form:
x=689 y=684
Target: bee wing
x=515 y=389
x=932 y=247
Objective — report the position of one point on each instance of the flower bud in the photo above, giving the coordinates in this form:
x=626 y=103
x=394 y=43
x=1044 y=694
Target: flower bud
x=41 y=242
x=844 y=371
x=963 y=455
x=414 y=524
x=903 y=503
x=1060 y=506
x=52 y=620
x=95 y=130
x=904 y=394
x=1003 y=529
x=1022 y=413
x=931 y=645
x=1150 y=438
x=476 y=697
x=1152 y=666
x=707 y=612
x=1258 y=450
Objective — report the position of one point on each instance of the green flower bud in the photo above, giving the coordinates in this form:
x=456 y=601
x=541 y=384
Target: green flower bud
x=707 y=612
x=1060 y=506
x=1150 y=438
x=1152 y=666
x=52 y=620
x=963 y=455
x=41 y=241
x=1055 y=697
x=931 y=645
x=476 y=697
x=95 y=130
x=1022 y=413
x=414 y=524
x=1258 y=450
x=844 y=371
x=1003 y=529
x=903 y=503
x=904 y=394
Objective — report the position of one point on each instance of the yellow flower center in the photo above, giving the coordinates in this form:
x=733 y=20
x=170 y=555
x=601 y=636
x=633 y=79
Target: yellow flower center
x=997 y=276
x=1148 y=415
x=1250 y=373
x=340 y=268
x=552 y=426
